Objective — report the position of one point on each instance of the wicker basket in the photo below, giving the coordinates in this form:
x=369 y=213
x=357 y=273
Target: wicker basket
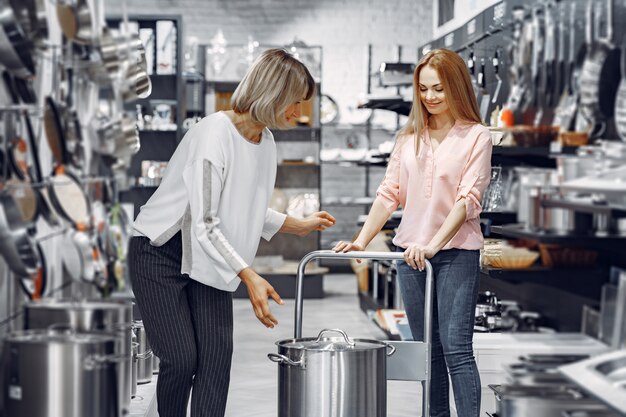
x=553 y=255
x=511 y=258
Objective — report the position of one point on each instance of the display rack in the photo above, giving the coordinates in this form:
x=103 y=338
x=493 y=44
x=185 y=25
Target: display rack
x=156 y=145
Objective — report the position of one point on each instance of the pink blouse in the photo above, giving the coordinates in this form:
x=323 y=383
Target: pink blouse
x=428 y=185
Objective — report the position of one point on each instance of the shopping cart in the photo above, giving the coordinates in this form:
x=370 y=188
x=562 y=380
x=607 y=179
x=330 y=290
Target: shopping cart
x=411 y=360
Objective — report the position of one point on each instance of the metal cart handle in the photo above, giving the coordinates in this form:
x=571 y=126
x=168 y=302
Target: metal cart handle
x=391 y=256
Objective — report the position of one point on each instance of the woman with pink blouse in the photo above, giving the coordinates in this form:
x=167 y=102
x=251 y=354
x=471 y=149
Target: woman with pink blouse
x=438 y=170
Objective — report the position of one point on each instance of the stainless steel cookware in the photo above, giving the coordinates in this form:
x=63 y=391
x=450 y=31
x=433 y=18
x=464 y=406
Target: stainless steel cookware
x=114 y=317
x=48 y=373
x=327 y=376
x=335 y=376
x=133 y=380
x=144 y=354
x=16 y=49
x=540 y=401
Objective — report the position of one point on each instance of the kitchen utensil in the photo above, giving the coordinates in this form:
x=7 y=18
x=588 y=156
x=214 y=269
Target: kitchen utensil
x=620 y=100
x=144 y=354
x=540 y=401
x=16 y=49
x=354 y=370
x=485 y=97
x=565 y=112
x=88 y=316
x=412 y=362
x=49 y=373
x=599 y=76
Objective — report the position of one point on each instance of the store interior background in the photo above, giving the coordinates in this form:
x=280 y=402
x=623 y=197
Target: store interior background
x=355 y=36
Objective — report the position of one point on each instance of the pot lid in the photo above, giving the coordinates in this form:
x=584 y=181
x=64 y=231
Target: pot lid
x=56 y=336
x=331 y=343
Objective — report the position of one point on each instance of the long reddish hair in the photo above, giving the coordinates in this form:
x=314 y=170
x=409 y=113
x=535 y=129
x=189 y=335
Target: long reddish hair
x=457 y=86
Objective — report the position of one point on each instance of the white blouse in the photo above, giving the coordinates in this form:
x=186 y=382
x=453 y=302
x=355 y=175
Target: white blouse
x=216 y=190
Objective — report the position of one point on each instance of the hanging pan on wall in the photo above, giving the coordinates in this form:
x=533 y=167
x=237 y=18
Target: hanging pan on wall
x=16 y=49
x=65 y=190
x=600 y=74
x=620 y=101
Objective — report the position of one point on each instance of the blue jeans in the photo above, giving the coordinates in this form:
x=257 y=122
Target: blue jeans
x=457 y=275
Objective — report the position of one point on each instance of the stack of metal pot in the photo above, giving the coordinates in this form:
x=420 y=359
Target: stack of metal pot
x=109 y=319
x=536 y=388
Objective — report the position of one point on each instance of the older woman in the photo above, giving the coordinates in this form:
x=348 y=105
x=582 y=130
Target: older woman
x=197 y=235
x=438 y=171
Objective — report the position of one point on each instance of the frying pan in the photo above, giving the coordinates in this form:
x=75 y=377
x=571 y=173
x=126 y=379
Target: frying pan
x=599 y=76
x=17 y=157
x=620 y=101
x=35 y=285
x=77 y=22
x=16 y=244
x=65 y=191
x=566 y=109
x=16 y=49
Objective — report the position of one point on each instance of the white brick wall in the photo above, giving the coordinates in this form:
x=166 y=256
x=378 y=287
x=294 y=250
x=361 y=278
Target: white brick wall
x=344 y=28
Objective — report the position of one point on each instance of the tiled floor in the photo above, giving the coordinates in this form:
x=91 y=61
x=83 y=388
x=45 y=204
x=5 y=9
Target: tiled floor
x=253 y=387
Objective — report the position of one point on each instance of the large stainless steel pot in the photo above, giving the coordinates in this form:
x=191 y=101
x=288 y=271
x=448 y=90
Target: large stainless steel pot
x=48 y=373
x=114 y=317
x=540 y=401
x=332 y=376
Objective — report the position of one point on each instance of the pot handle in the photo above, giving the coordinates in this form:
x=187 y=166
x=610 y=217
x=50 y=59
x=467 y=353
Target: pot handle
x=146 y=355
x=61 y=328
x=392 y=347
x=345 y=336
x=282 y=359
x=91 y=361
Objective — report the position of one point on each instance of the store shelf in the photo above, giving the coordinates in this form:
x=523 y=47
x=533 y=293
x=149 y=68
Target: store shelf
x=538 y=156
x=498 y=217
x=590 y=239
x=605 y=209
x=298 y=134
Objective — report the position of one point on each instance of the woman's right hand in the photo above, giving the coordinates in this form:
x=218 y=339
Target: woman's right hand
x=259 y=292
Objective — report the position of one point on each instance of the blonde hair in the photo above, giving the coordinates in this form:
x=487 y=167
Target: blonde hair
x=457 y=87
x=274 y=81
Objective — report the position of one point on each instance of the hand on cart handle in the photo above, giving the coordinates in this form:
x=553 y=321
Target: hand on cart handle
x=344 y=247
x=259 y=292
x=415 y=256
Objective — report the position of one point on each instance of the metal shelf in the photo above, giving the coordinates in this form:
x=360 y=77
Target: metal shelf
x=519 y=231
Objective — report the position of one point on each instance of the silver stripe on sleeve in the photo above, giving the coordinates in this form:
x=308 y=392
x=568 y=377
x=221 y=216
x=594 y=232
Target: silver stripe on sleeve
x=167 y=235
x=187 y=260
x=213 y=232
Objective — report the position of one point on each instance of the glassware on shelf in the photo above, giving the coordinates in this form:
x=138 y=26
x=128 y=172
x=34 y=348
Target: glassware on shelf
x=493 y=201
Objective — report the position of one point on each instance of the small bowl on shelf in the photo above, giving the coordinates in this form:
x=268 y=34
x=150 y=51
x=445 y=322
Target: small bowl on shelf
x=573 y=138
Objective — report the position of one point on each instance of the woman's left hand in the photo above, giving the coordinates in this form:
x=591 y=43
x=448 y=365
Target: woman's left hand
x=320 y=220
x=416 y=255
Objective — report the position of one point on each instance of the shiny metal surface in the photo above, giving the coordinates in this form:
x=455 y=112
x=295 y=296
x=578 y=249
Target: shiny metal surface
x=603 y=376
x=329 y=382
x=113 y=317
x=428 y=308
x=52 y=374
x=540 y=401
x=144 y=354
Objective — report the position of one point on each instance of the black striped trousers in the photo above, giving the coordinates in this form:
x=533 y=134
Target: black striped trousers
x=189 y=326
